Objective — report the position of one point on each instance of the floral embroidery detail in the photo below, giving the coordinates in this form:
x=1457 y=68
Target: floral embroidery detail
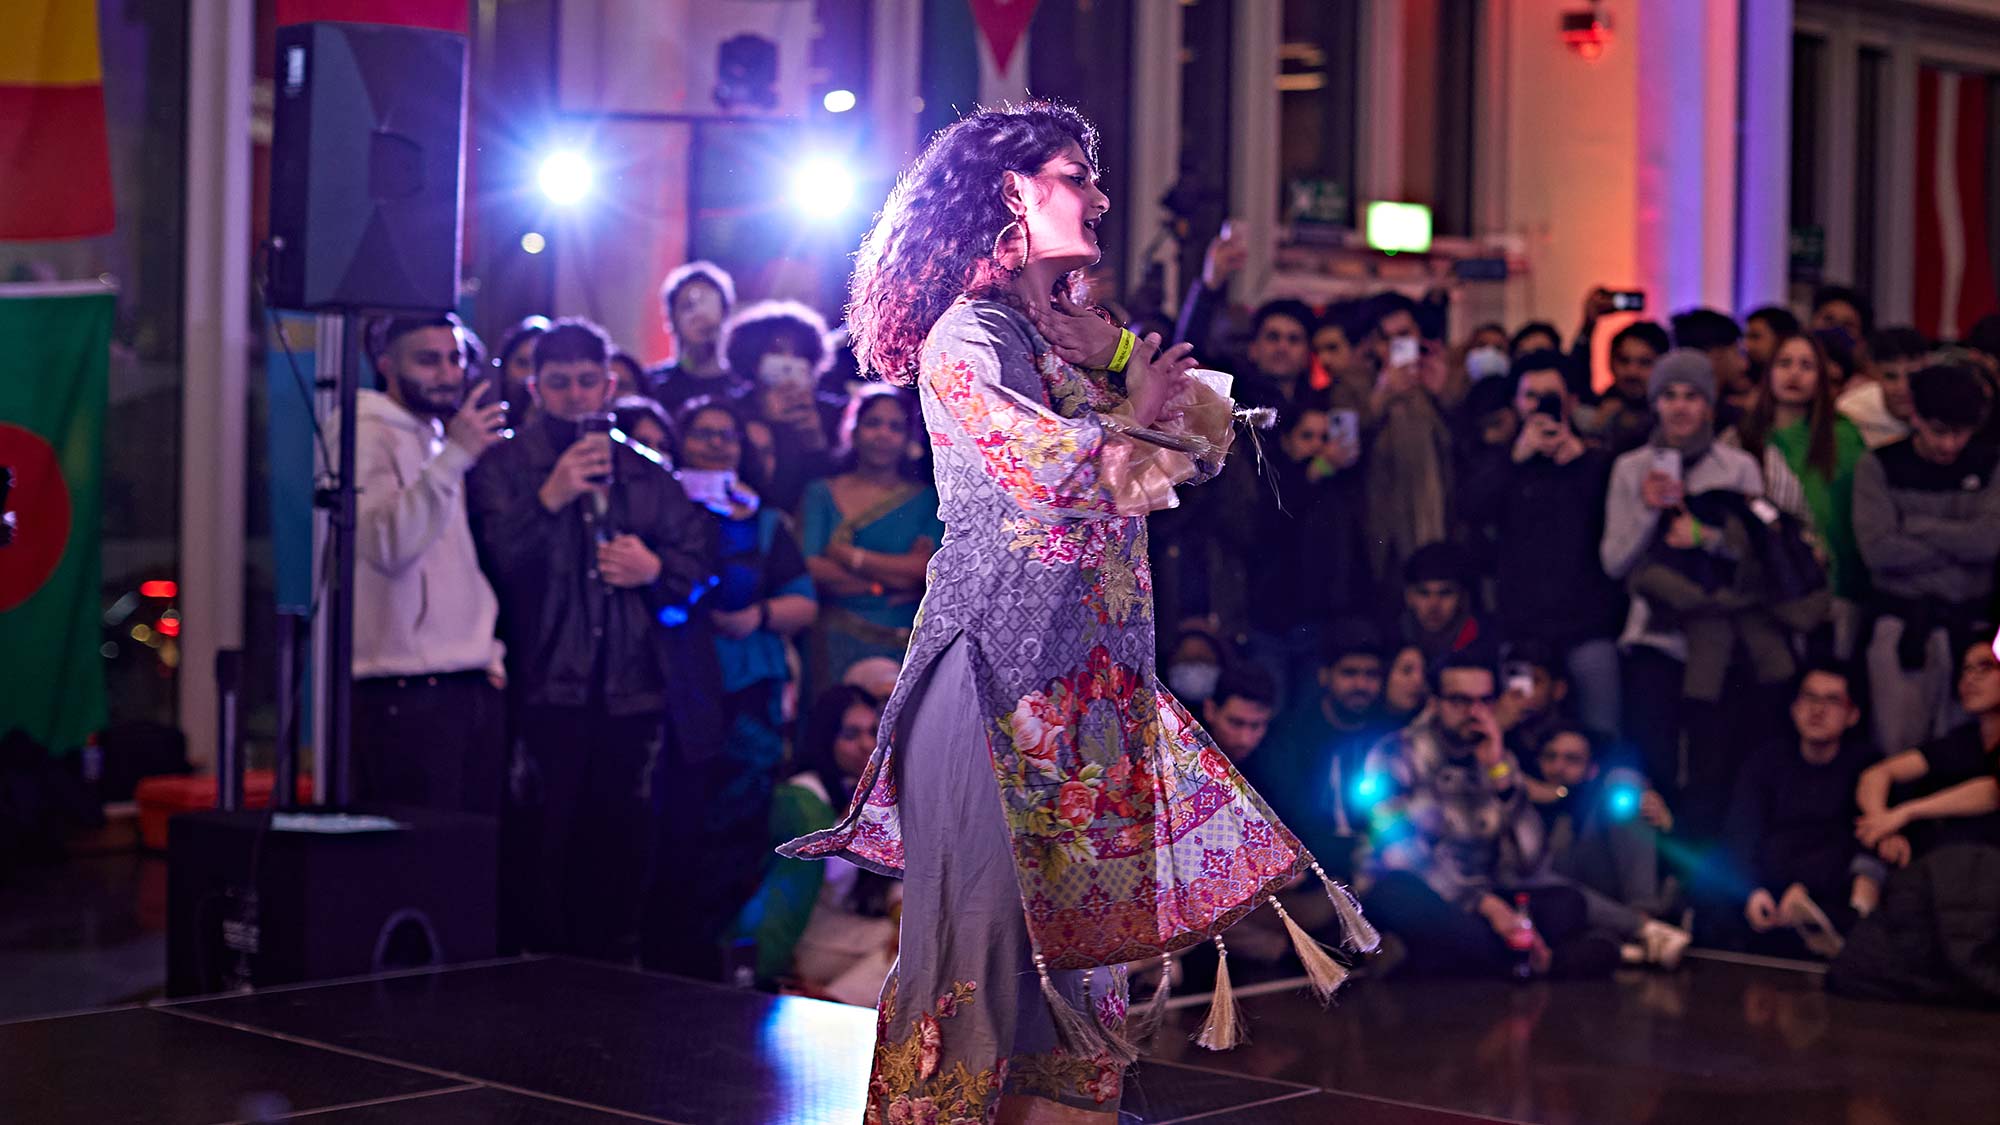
x=1118 y=581
x=1033 y=457
x=1059 y=1074
x=1068 y=786
x=906 y=1086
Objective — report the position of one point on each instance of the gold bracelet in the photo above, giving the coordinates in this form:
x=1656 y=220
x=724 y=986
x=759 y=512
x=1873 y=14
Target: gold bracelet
x=1119 y=358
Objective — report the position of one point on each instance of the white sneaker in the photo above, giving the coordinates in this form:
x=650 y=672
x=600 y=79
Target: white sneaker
x=1664 y=944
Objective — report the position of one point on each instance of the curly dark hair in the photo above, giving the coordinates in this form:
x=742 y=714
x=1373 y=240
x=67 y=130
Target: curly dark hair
x=759 y=329
x=934 y=240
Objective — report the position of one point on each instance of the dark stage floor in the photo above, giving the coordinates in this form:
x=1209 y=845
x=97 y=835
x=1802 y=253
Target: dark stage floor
x=558 y=1042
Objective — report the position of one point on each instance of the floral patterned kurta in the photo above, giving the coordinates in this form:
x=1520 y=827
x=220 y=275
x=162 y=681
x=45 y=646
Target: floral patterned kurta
x=1131 y=833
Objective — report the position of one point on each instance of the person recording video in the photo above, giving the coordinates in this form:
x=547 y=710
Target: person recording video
x=599 y=557
x=427 y=714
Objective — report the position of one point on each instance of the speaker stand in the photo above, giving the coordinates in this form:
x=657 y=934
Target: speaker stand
x=339 y=386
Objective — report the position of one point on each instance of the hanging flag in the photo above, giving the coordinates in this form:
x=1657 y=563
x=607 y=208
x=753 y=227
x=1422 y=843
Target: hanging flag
x=1001 y=24
x=55 y=160
x=52 y=387
x=1954 y=267
x=444 y=15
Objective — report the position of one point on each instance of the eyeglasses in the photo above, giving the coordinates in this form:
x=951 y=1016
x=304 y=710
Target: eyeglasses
x=723 y=435
x=589 y=381
x=1459 y=699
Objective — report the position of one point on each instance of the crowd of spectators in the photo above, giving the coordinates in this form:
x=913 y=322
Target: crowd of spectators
x=1559 y=675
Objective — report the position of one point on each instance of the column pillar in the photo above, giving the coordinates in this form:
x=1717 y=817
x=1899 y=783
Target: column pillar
x=214 y=389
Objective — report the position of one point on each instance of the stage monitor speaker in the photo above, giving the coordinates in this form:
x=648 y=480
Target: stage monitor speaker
x=253 y=905
x=367 y=167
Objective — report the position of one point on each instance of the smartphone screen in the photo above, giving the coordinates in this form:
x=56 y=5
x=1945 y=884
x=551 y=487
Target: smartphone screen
x=1344 y=427
x=1628 y=300
x=1667 y=463
x=784 y=371
x=1404 y=351
x=1519 y=677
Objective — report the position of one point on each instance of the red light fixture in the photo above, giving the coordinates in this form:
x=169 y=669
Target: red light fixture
x=1587 y=32
x=159 y=588
x=169 y=627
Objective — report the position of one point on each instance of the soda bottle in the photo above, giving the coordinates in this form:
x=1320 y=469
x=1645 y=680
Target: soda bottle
x=1521 y=939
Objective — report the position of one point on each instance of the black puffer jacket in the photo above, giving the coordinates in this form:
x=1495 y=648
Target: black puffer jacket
x=1935 y=938
x=571 y=639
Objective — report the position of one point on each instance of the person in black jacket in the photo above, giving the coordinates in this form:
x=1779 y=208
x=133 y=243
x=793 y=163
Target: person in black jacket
x=1790 y=830
x=1542 y=503
x=1309 y=562
x=598 y=557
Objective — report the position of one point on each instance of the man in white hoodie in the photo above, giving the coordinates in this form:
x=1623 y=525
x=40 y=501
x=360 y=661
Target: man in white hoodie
x=429 y=725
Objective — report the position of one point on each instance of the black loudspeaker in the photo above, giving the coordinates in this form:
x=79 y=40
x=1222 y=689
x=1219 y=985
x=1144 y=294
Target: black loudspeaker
x=367 y=167
x=253 y=906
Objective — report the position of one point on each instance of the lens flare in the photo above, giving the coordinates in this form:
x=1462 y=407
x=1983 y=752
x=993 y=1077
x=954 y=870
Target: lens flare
x=823 y=187
x=565 y=177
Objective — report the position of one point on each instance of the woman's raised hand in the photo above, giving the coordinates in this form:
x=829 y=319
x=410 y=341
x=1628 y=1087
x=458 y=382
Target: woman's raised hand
x=1153 y=376
x=1078 y=335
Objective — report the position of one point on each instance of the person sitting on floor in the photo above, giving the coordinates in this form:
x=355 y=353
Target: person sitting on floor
x=1922 y=818
x=1932 y=938
x=1457 y=845
x=825 y=929
x=1789 y=832
x=1238 y=717
x=1310 y=770
x=1603 y=828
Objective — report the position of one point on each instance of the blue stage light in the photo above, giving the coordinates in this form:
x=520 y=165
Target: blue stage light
x=1624 y=801
x=565 y=177
x=1369 y=788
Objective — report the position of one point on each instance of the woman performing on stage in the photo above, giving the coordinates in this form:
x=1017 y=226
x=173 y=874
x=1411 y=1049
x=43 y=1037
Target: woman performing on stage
x=1054 y=813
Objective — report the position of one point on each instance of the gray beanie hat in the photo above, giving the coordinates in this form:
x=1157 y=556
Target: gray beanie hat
x=1683 y=365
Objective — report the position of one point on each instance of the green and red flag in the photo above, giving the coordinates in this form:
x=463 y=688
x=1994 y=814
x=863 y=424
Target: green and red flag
x=52 y=392
x=55 y=159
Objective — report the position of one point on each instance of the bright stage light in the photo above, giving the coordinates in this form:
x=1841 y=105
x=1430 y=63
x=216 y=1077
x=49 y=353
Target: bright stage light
x=822 y=187
x=565 y=177
x=838 y=101
x=533 y=242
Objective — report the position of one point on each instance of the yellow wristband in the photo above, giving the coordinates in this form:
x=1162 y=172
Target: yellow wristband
x=1126 y=342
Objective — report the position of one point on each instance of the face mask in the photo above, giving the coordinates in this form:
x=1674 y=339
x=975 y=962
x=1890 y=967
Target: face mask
x=1486 y=363
x=1194 y=683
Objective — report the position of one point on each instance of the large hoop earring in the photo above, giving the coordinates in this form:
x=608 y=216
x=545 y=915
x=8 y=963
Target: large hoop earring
x=1002 y=237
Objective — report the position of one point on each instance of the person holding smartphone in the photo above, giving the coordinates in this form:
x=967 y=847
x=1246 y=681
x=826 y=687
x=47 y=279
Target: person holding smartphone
x=781 y=347
x=598 y=557
x=427 y=714
x=1541 y=504
x=1644 y=507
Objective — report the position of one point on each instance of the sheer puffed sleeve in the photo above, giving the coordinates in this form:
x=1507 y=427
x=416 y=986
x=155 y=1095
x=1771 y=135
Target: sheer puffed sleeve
x=979 y=366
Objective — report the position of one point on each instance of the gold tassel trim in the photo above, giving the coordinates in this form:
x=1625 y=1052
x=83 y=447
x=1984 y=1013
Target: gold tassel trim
x=1324 y=974
x=1078 y=1032
x=1146 y=1022
x=1357 y=935
x=1223 y=1029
